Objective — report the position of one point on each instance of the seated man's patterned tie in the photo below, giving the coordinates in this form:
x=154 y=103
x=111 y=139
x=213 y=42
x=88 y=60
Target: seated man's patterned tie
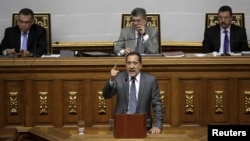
x=139 y=44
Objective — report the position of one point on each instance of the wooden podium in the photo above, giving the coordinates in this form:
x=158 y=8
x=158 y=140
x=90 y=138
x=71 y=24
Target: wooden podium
x=130 y=126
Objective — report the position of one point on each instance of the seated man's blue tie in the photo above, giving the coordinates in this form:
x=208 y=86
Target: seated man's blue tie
x=132 y=97
x=25 y=40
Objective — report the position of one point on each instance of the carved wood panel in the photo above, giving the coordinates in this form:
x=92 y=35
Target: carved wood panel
x=43 y=102
x=164 y=86
x=219 y=92
x=104 y=108
x=191 y=105
x=244 y=100
x=13 y=101
x=73 y=103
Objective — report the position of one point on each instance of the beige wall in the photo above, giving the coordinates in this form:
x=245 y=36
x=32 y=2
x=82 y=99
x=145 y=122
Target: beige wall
x=99 y=20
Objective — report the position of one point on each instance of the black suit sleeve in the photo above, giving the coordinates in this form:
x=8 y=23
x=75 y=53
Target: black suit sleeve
x=37 y=40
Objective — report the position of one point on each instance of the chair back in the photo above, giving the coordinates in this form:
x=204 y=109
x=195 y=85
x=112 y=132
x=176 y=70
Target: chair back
x=212 y=19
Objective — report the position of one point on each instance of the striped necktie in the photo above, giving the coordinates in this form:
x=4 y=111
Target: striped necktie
x=226 y=43
x=139 y=44
x=132 y=97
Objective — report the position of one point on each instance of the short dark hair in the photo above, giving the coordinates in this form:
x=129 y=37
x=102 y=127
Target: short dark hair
x=26 y=11
x=226 y=8
x=139 y=12
x=134 y=53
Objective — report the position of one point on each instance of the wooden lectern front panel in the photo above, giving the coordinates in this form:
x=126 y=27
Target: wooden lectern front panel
x=130 y=126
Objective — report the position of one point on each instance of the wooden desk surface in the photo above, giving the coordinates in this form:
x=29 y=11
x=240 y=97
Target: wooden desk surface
x=190 y=59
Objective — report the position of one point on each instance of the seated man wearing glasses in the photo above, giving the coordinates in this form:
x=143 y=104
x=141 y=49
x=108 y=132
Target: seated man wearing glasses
x=225 y=38
x=25 y=39
x=139 y=37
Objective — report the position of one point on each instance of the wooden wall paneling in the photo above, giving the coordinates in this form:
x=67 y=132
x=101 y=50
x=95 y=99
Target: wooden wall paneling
x=73 y=103
x=190 y=104
x=57 y=92
x=175 y=101
x=233 y=101
x=29 y=105
x=219 y=93
x=164 y=86
x=244 y=101
x=87 y=104
x=15 y=108
x=204 y=101
x=223 y=89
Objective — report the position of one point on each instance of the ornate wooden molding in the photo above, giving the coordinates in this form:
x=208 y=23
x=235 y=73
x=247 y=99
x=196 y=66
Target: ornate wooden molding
x=219 y=108
x=162 y=95
x=13 y=96
x=72 y=102
x=43 y=102
x=102 y=105
x=189 y=102
x=247 y=102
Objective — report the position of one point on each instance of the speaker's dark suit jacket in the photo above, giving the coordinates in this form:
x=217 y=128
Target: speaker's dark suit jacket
x=148 y=94
x=238 y=39
x=37 y=43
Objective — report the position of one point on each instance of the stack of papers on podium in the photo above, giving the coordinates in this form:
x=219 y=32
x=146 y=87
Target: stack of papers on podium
x=174 y=54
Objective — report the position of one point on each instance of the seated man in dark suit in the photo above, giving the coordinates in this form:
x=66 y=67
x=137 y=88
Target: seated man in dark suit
x=25 y=39
x=139 y=37
x=225 y=38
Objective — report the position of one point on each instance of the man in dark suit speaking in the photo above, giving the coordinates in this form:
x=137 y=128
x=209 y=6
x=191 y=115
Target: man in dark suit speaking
x=139 y=37
x=225 y=38
x=136 y=99
x=25 y=39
